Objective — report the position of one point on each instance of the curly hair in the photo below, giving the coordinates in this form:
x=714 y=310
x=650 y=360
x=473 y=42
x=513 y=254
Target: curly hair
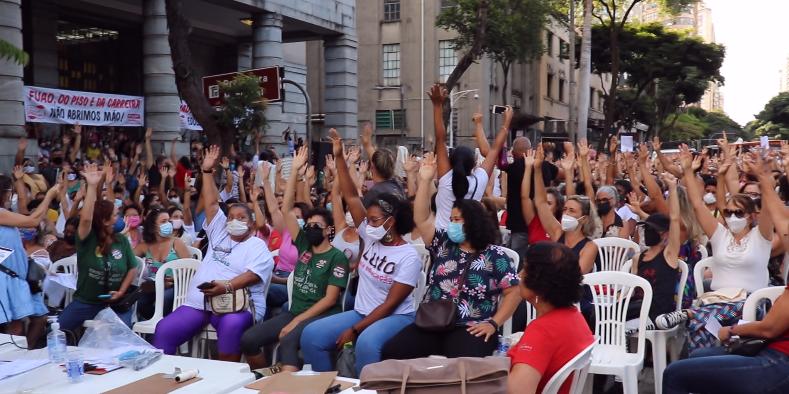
x=149 y=226
x=479 y=226
x=553 y=273
x=398 y=208
x=322 y=212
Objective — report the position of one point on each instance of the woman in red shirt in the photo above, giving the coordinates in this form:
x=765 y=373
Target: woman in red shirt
x=551 y=281
x=537 y=232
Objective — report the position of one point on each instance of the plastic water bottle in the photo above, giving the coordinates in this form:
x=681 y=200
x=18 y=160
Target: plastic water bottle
x=75 y=366
x=56 y=344
x=503 y=348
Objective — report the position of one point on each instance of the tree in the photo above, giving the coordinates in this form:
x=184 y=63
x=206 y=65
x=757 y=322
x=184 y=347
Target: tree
x=773 y=120
x=189 y=83
x=11 y=52
x=244 y=107
x=614 y=19
x=694 y=123
x=469 y=19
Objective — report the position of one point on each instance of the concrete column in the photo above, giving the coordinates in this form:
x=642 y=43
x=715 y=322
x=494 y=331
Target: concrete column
x=161 y=93
x=340 y=97
x=266 y=52
x=244 y=56
x=12 y=111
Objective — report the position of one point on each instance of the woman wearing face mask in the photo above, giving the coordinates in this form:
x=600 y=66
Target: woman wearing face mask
x=159 y=246
x=606 y=201
x=15 y=293
x=183 y=227
x=553 y=199
x=106 y=264
x=577 y=225
x=130 y=224
x=388 y=272
x=318 y=281
x=65 y=246
x=658 y=264
x=463 y=253
x=236 y=259
x=741 y=254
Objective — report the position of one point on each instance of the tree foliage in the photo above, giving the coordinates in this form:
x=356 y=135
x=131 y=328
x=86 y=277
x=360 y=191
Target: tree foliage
x=694 y=123
x=773 y=120
x=244 y=107
x=11 y=52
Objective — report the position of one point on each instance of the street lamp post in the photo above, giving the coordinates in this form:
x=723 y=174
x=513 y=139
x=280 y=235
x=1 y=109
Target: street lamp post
x=453 y=97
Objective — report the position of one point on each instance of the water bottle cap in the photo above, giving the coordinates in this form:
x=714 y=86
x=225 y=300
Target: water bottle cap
x=55 y=326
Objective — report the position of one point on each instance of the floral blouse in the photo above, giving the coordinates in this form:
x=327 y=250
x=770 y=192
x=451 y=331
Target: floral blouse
x=488 y=275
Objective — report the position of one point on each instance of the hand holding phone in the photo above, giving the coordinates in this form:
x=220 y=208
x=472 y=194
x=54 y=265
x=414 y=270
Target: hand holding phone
x=105 y=296
x=205 y=285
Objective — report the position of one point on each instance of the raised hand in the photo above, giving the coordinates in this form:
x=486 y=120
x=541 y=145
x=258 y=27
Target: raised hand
x=583 y=148
x=240 y=171
x=310 y=174
x=91 y=174
x=266 y=170
x=80 y=192
x=438 y=94
x=108 y=172
x=143 y=179
x=254 y=192
x=225 y=163
x=411 y=165
x=612 y=144
x=210 y=158
x=656 y=144
x=668 y=179
x=22 y=143
x=367 y=133
x=477 y=118
x=697 y=162
x=137 y=149
x=364 y=166
x=539 y=156
x=508 y=113
x=427 y=171
x=163 y=171
x=301 y=157
x=685 y=158
x=354 y=153
x=336 y=142
x=528 y=159
x=148 y=133
x=330 y=166
x=18 y=172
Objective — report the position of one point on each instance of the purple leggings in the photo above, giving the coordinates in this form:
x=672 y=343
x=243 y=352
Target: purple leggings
x=186 y=322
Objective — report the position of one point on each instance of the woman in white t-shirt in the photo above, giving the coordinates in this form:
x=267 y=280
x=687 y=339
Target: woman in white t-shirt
x=389 y=270
x=236 y=259
x=458 y=178
x=741 y=251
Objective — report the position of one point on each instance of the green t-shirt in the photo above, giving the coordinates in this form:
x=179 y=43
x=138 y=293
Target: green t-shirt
x=314 y=273
x=91 y=265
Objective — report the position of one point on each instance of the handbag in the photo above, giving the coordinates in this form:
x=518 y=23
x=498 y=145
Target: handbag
x=346 y=363
x=235 y=301
x=127 y=302
x=35 y=274
x=440 y=315
x=437 y=375
x=749 y=347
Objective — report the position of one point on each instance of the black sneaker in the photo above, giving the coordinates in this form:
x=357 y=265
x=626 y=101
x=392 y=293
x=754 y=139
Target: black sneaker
x=670 y=320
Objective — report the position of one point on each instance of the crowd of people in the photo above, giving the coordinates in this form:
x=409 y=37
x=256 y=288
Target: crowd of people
x=320 y=260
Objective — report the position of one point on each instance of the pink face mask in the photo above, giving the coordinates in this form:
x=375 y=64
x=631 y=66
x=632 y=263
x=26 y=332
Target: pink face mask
x=133 y=221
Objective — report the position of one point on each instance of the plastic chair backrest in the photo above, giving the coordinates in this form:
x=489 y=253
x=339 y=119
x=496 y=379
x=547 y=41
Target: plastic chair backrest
x=753 y=300
x=698 y=274
x=69 y=265
x=514 y=256
x=141 y=265
x=420 y=289
x=290 y=288
x=614 y=251
x=424 y=255
x=182 y=271
x=703 y=252
x=578 y=366
x=196 y=253
x=683 y=279
x=611 y=294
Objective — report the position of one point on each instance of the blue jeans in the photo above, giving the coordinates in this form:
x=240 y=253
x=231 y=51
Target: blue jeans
x=319 y=339
x=77 y=312
x=712 y=370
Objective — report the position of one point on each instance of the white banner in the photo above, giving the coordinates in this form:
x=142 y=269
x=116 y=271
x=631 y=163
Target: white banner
x=45 y=105
x=188 y=121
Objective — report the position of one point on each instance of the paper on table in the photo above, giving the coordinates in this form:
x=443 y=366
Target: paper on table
x=713 y=326
x=627 y=143
x=16 y=367
x=764 y=141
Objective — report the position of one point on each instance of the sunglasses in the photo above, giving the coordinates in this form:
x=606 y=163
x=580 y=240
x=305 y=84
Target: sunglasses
x=736 y=212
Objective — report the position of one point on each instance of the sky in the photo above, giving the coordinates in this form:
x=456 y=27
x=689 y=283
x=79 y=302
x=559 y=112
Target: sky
x=754 y=33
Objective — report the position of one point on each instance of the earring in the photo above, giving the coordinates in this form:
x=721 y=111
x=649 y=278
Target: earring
x=536 y=300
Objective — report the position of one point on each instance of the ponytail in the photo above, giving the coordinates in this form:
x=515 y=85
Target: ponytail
x=462 y=159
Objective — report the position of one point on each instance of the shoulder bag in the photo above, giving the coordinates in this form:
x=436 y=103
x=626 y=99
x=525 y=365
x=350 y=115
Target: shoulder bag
x=35 y=274
x=749 y=347
x=438 y=376
x=440 y=315
x=235 y=301
x=133 y=293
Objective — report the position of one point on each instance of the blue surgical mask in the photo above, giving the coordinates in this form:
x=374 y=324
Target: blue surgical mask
x=328 y=206
x=119 y=225
x=166 y=229
x=455 y=232
x=301 y=222
x=118 y=203
x=28 y=234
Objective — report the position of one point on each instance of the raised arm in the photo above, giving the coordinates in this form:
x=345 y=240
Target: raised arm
x=188 y=219
x=611 y=170
x=527 y=205
x=148 y=149
x=501 y=137
x=367 y=140
x=173 y=157
x=20 y=151
x=77 y=142
x=92 y=177
x=671 y=252
x=427 y=172
x=653 y=190
x=209 y=194
x=549 y=222
x=349 y=192
x=437 y=96
x=291 y=223
x=277 y=220
x=479 y=135
x=21 y=189
x=242 y=194
x=708 y=223
x=755 y=166
x=337 y=212
x=586 y=169
x=568 y=165
x=411 y=168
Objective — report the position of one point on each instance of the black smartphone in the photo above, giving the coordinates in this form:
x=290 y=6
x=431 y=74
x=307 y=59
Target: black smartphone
x=644 y=189
x=205 y=285
x=498 y=109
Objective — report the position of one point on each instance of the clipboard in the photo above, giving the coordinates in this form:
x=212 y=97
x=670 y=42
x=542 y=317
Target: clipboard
x=154 y=384
x=295 y=384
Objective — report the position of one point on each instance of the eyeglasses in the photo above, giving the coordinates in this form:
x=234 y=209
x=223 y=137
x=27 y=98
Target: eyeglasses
x=736 y=212
x=313 y=225
x=378 y=220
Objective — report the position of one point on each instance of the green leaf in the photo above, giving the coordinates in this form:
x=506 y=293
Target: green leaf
x=11 y=52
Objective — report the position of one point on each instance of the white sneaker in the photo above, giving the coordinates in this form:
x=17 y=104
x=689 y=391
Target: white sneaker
x=671 y=320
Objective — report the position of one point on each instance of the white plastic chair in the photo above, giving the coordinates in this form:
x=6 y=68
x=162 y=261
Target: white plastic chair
x=420 y=289
x=698 y=274
x=752 y=302
x=69 y=265
x=424 y=255
x=182 y=272
x=196 y=253
x=290 y=302
x=505 y=235
x=515 y=259
x=611 y=294
x=661 y=339
x=578 y=367
x=703 y=251
x=614 y=252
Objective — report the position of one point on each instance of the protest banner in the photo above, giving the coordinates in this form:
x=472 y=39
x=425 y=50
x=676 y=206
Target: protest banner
x=46 y=105
x=188 y=121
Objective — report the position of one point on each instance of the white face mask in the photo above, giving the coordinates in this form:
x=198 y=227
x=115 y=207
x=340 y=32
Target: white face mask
x=376 y=233
x=177 y=223
x=349 y=220
x=236 y=228
x=709 y=198
x=736 y=224
x=175 y=200
x=569 y=223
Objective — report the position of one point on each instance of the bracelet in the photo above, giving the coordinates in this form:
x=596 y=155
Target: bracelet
x=355 y=331
x=228 y=287
x=493 y=323
x=211 y=171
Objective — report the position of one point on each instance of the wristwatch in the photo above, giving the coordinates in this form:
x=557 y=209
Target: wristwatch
x=211 y=171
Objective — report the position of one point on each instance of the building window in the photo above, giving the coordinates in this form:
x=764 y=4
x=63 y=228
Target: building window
x=561 y=89
x=447 y=59
x=391 y=63
x=562 y=50
x=549 y=43
x=591 y=98
x=447 y=4
x=549 y=87
x=391 y=10
x=600 y=100
x=390 y=119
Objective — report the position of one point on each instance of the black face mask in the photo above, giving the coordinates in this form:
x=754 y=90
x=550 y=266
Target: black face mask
x=651 y=236
x=314 y=235
x=603 y=208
